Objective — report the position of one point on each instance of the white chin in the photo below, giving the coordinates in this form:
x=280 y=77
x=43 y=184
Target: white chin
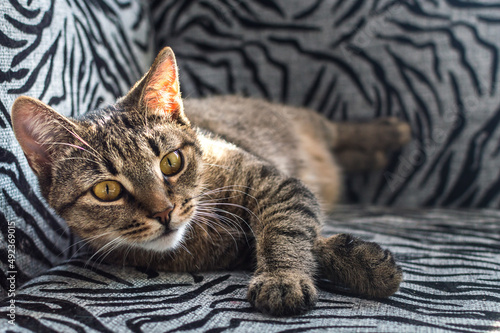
x=165 y=243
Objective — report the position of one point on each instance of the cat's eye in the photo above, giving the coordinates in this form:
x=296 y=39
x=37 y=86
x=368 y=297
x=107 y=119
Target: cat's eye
x=108 y=190
x=171 y=163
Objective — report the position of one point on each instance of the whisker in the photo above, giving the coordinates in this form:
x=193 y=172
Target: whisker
x=227 y=188
x=208 y=223
x=82 y=141
x=86 y=242
x=185 y=248
x=130 y=246
x=115 y=246
x=230 y=222
x=215 y=216
x=77 y=147
x=233 y=222
x=108 y=251
x=211 y=204
x=103 y=249
x=195 y=221
x=67 y=144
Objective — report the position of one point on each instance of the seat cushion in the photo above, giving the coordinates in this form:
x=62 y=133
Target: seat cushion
x=431 y=63
x=74 y=56
x=450 y=260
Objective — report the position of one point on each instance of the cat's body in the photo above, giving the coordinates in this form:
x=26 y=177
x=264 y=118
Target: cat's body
x=298 y=142
x=213 y=184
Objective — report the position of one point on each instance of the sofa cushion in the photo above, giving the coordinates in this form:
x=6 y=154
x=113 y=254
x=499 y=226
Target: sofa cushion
x=450 y=260
x=432 y=63
x=75 y=56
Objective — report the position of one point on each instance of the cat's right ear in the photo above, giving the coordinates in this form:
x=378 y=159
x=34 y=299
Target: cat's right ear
x=158 y=92
x=37 y=127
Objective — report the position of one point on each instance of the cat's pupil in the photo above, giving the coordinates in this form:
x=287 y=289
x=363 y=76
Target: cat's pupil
x=108 y=190
x=171 y=163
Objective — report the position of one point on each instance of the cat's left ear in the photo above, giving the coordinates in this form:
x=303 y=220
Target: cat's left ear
x=158 y=91
x=37 y=128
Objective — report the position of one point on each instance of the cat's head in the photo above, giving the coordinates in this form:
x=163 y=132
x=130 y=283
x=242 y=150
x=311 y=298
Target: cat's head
x=128 y=175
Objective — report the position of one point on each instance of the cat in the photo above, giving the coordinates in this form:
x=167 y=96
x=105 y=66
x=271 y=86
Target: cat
x=211 y=184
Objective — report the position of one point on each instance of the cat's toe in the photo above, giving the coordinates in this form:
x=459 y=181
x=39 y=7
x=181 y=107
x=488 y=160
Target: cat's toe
x=383 y=274
x=282 y=293
x=375 y=272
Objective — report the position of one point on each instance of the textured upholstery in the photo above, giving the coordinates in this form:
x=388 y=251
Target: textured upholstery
x=451 y=269
x=434 y=64
x=75 y=56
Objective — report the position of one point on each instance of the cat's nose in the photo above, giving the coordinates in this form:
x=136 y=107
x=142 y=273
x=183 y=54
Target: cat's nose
x=164 y=217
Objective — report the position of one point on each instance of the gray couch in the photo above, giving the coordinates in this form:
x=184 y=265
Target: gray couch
x=433 y=64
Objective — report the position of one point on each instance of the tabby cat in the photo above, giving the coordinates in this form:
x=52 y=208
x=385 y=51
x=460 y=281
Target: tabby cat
x=210 y=184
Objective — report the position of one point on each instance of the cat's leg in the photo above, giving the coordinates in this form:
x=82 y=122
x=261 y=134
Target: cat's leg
x=357 y=146
x=364 y=267
x=287 y=227
x=364 y=146
x=356 y=160
x=383 y=134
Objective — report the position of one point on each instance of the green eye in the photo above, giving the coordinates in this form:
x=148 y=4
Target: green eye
x=171 y=163
x=108 y=190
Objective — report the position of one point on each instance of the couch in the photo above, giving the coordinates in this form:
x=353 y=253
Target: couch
x=435 y=206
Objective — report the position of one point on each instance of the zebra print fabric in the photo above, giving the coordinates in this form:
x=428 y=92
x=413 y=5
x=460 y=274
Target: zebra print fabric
x=450 y=259
x=74 y=55
x=432 y=63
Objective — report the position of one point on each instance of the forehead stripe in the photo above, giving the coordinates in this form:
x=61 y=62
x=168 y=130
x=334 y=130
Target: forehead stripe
x=154 y=146
x=111 y=168
x=127 y=123
x=118 y=149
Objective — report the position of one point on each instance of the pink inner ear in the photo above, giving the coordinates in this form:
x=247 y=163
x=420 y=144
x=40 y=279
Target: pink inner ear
x=35 y=152
x=26 y=123
x=162 y=91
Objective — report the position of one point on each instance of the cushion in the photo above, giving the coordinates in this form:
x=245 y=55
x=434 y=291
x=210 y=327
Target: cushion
x=75 y=56
x=431 y=63
x=450 y=260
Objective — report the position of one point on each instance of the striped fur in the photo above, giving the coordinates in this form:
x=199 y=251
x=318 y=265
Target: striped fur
x=75 y=56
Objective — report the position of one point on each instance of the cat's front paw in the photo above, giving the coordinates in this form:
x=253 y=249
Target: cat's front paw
x=364 y=267
x=282 y=293
x=379 y=275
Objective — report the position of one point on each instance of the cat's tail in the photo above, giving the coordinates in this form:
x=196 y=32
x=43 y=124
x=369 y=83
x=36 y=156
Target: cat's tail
x=363 y=267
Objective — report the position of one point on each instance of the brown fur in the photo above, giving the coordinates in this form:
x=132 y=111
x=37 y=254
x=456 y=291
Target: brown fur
x=247 y=192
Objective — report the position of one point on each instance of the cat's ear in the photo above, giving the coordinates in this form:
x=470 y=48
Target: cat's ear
x=158 y=91
x=37 y=127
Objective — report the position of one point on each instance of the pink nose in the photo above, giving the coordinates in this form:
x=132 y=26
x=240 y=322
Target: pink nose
x=164 y=217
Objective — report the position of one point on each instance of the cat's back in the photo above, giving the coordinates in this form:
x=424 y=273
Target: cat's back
x=295 y=140
x=262 y=128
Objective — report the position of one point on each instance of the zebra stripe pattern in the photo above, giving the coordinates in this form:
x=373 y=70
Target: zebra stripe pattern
x=450 y=261
x=431 y=63
x=75 y=56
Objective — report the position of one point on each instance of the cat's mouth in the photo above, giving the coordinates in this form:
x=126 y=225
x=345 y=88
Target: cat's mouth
x=167 y=232
x=168 y=240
